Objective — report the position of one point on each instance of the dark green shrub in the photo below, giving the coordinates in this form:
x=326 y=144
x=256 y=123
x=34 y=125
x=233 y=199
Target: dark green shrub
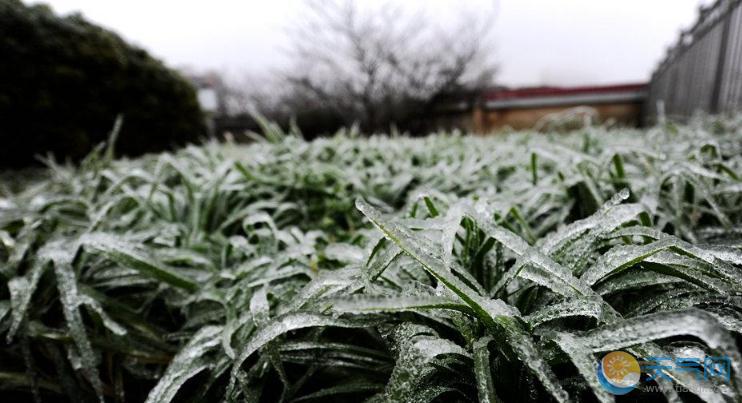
x=63 y=80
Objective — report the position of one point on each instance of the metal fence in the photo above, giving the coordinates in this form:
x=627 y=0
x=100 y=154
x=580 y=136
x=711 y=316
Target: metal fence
x=703 y=71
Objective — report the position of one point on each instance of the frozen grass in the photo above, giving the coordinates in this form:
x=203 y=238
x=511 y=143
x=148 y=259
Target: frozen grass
x=446 y=268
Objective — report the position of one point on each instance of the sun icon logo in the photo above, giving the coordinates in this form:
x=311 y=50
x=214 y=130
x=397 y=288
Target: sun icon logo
x=619 y=372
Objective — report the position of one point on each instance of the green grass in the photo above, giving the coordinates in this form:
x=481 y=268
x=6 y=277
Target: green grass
x=445 y=268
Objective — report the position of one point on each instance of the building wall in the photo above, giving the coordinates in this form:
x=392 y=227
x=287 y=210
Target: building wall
x=624 y=114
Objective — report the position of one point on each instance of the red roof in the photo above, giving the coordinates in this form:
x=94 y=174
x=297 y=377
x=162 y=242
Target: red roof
x=533 y=92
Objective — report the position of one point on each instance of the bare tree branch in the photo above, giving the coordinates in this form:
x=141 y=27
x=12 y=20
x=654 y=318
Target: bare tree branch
x=383 y=65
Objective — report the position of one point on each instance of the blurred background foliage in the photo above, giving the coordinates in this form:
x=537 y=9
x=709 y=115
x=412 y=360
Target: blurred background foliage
x=64 y=80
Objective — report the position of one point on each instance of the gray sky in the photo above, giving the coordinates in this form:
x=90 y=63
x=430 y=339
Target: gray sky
x=567 y=42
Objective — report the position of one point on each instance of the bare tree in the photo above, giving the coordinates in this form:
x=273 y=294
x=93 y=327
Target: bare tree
x=381 y=66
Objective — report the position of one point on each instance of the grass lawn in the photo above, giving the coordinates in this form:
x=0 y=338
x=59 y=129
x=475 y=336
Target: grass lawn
x=446 y=268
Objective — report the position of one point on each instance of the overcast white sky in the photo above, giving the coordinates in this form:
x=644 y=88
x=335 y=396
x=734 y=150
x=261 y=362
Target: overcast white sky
x=567 y=42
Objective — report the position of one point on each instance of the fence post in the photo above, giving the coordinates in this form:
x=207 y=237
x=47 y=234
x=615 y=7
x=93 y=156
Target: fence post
x=715 y=106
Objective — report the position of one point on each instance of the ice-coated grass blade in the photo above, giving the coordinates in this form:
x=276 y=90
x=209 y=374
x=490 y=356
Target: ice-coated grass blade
x=21 y=290
x=405 y=241
x=60 y=257
x=360 y=305
x=277 y=327
x=128 y=255
x=496 y=315
x=187 y=363
x=483 y=372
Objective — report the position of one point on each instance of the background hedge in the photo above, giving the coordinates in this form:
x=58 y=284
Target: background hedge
x=64 y=80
